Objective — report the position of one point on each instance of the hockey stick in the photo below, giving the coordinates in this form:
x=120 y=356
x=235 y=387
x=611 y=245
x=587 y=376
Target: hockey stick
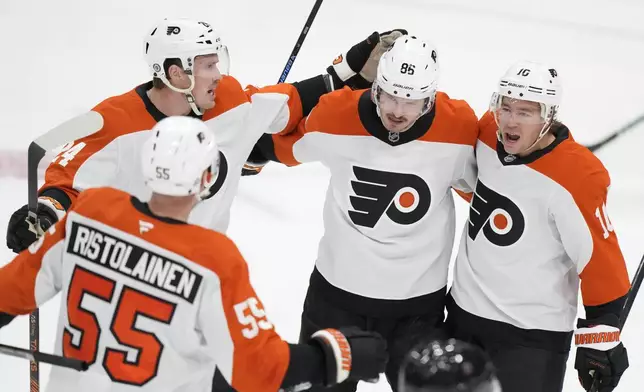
x=635 y=286
x=76 y=128
x=628 y=304
x=300 y=41
x=627 y=127
x=36 y=356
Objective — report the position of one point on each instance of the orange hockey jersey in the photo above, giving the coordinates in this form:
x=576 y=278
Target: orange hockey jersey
x=153 y=304
x=111 y=156
x=538 y=228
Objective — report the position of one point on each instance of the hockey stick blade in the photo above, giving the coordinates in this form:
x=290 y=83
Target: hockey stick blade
x=36 y=356
x=73 y=129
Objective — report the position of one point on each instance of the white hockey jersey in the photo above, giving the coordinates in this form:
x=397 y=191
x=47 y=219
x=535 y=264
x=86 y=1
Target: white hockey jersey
x=538 y=225
x=111 y=156
x=389 y=211
x=152 y=304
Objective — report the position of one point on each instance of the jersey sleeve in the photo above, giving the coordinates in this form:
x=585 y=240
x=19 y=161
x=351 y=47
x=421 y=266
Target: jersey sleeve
x=298 y=98
x=335 y=114
x=34 y=276
x=81 y=164
x=590 y=241
x=283 y=96
x=248 y=351
x=466 y=171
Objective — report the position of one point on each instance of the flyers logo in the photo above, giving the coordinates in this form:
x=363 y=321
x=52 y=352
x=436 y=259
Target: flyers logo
x=338 y=60
x=405 y=198
x=221 y=177
x=501 y=220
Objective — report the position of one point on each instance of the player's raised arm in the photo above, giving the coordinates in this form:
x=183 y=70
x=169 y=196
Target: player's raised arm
x=355 y=69
x=85 y=163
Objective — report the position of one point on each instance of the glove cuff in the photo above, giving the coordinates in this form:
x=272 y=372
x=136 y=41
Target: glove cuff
x=338 y=354
x=52 y=207
x=599 y=337
x=342 y=69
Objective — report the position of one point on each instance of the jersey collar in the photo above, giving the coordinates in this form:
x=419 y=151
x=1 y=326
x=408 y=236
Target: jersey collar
x=561 y=133
x=372 y=123
x=157 y=115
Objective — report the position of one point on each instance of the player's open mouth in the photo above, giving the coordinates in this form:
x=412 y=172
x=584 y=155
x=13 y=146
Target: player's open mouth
x=511 y=138
x=211 y=92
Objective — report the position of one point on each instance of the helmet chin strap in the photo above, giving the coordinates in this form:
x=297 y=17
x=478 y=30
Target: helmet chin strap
x=186 y=91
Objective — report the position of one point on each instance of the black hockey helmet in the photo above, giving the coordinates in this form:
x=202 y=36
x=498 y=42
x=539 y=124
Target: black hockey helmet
x=447 y=366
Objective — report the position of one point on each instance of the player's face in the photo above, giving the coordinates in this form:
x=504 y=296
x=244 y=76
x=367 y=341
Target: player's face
x=207 y=76
x=398 y=114
x=520 y=123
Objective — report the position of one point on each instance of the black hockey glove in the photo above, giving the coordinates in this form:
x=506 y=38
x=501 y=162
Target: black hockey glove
x=357 y=67
x=19 y=237
x=255 y=162
x=5 y=319
x=600 y=352
x=351 y=354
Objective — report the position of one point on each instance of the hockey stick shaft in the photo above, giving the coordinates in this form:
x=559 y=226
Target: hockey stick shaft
x=37 y=357
x=34 y=155
x=300 y=41
x=628 y=304
x=76 y=128
x=632 y=293
x=627 y=127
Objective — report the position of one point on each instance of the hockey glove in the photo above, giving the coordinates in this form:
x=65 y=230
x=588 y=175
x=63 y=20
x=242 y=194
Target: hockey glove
x=600 y=352
x=357 y=67
x=351 y=354
x=19 y=237
x=254 y=163
x=5 y=319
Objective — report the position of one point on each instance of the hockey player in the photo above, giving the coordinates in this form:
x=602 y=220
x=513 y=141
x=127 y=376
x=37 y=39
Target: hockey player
x=394 y=152
x=537 y=227
x=153 y=303
x=187 y=59
x=447 y=366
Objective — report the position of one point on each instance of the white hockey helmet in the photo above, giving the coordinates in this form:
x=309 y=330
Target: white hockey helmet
x=176 y=155
x=530 y=81
x=409 y=69
x=183 y=39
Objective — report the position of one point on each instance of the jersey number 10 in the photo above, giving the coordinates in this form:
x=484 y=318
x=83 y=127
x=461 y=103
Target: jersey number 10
x=607 y=225
x=131 y=304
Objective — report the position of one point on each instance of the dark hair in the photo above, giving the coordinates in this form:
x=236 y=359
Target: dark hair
x=158 y=83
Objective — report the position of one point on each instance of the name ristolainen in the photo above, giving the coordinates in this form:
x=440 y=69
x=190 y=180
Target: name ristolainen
x=134 y=261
